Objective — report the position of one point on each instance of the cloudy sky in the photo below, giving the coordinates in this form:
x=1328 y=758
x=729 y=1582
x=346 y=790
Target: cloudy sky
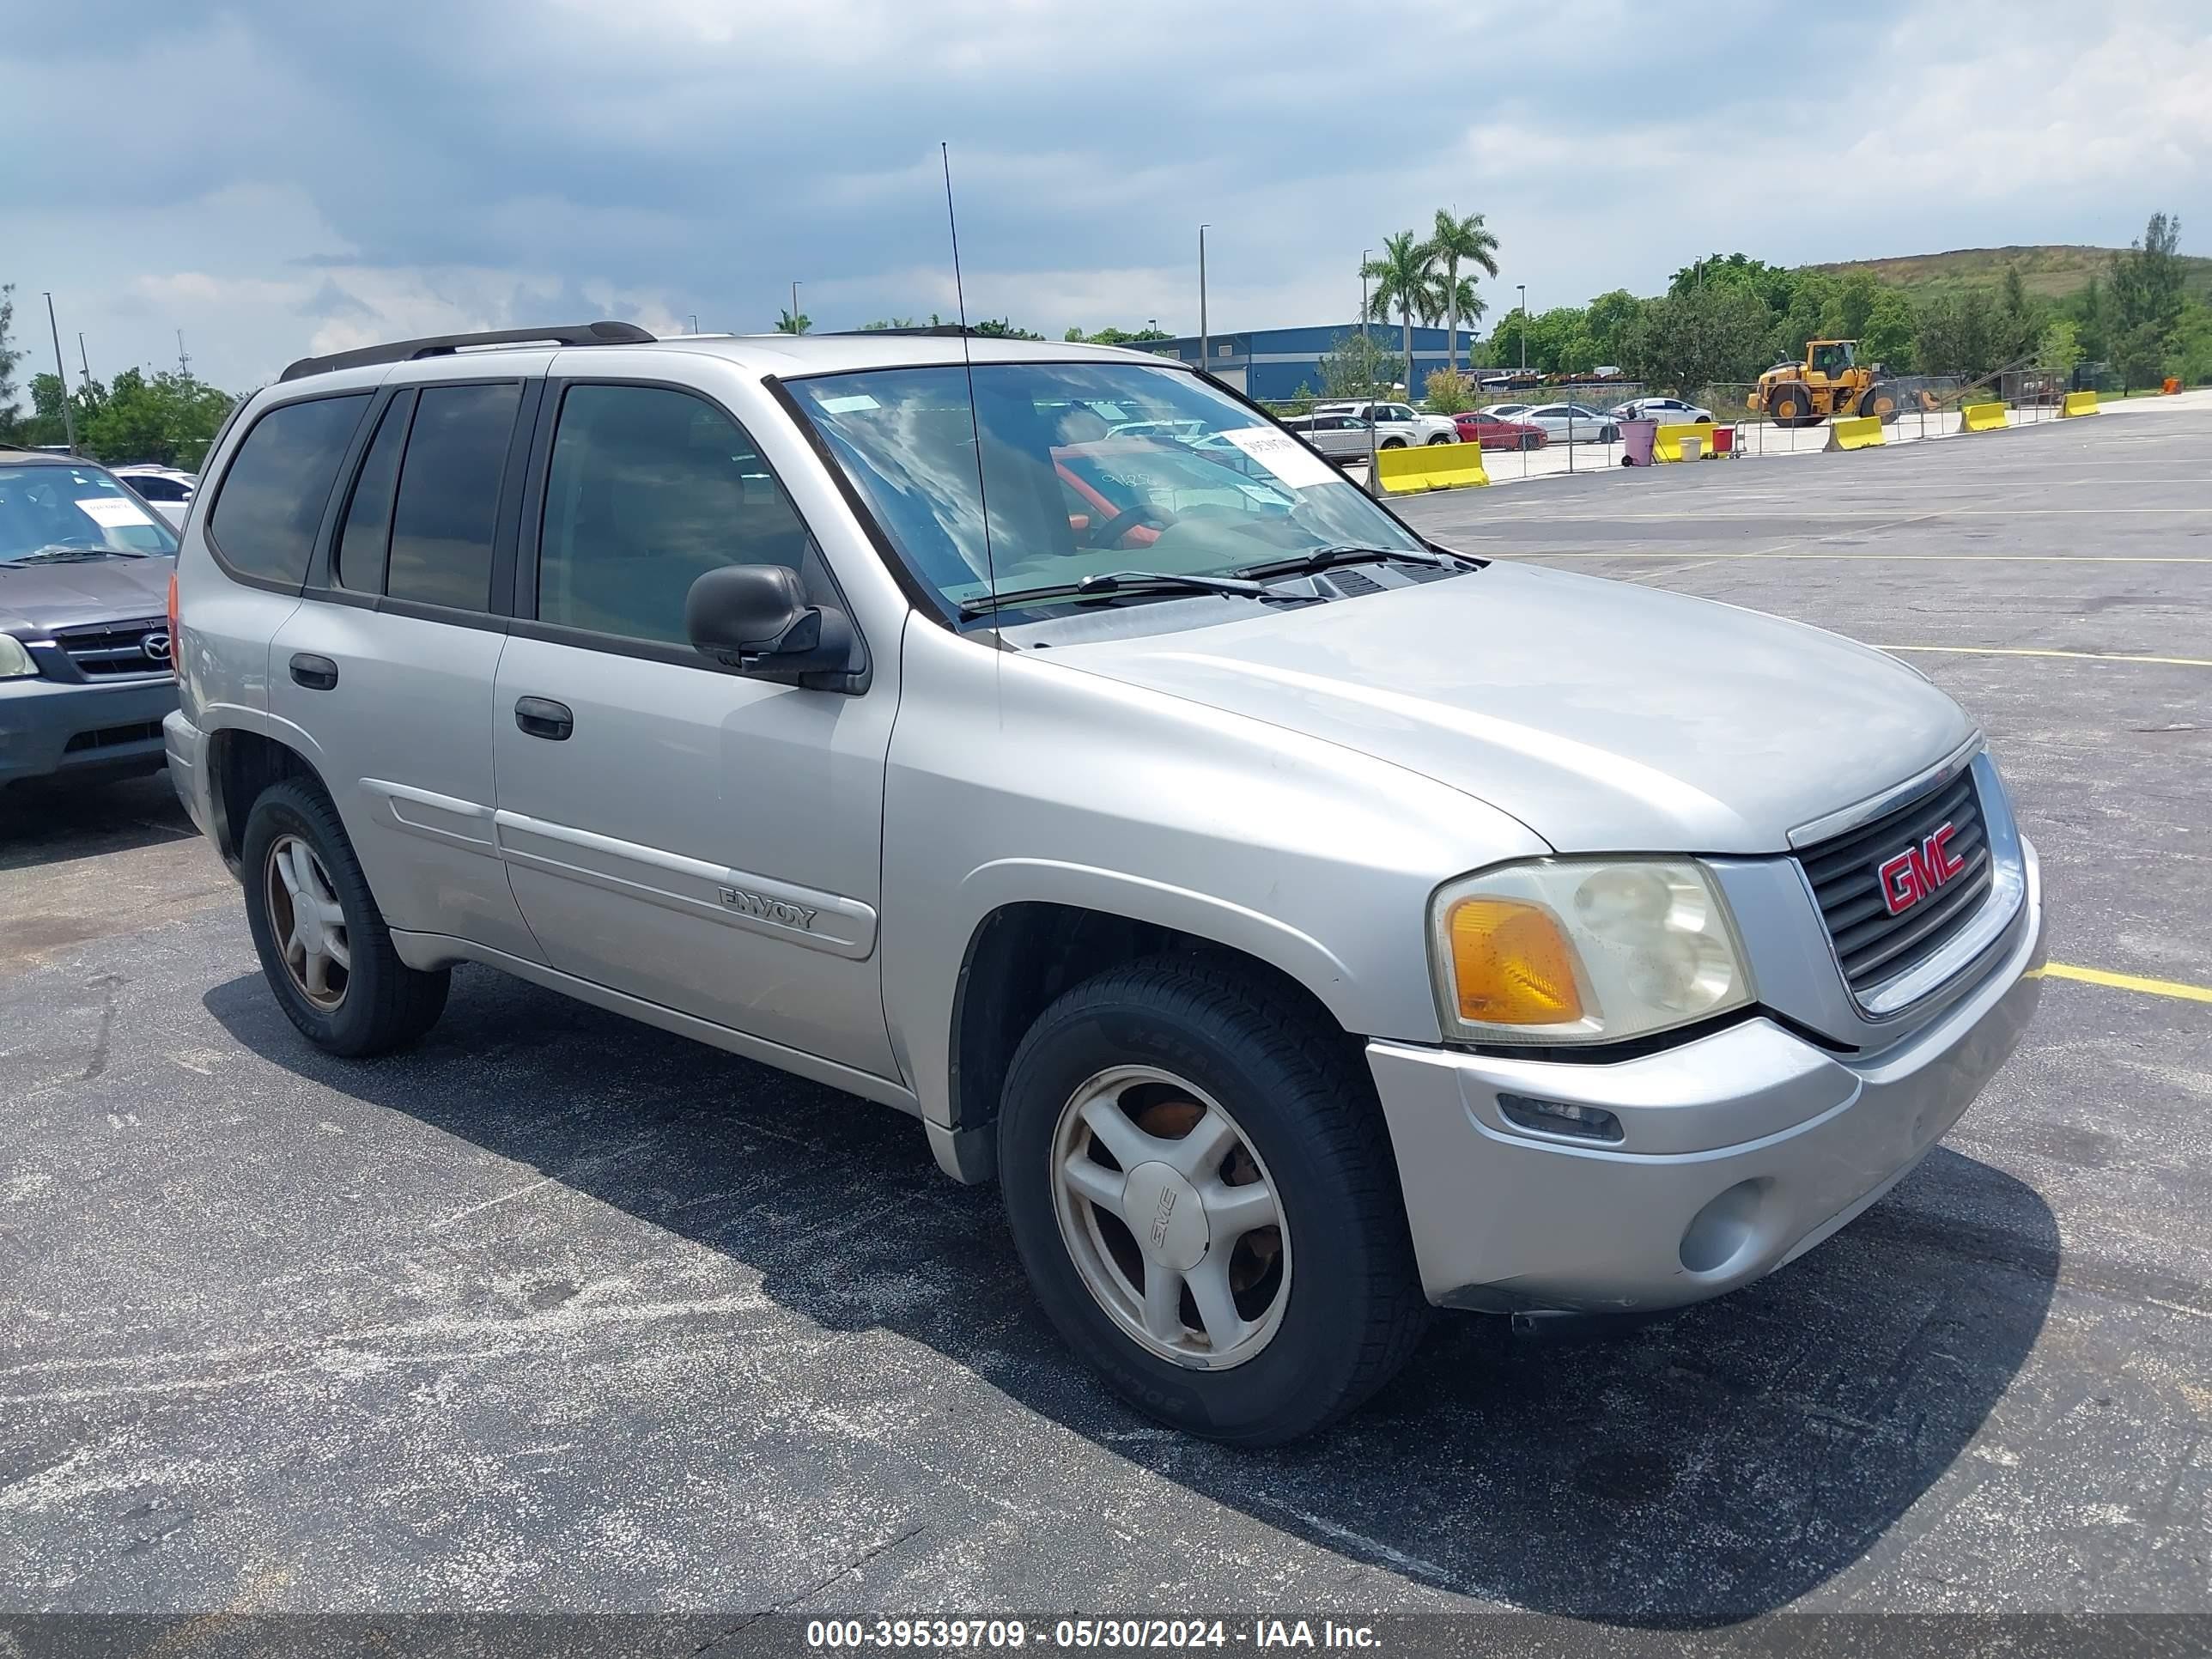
x=278 y=177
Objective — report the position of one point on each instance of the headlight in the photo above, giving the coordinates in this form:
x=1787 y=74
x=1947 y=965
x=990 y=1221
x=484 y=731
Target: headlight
x=1583 y=950
x=15 y=662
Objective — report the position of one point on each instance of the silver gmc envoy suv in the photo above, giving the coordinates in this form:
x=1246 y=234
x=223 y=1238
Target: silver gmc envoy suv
x=1304 y=923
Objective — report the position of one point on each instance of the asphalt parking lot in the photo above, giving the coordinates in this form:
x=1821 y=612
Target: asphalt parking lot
x=562 y=1312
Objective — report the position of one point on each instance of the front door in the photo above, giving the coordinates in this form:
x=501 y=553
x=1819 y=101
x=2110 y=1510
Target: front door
x=674 y=831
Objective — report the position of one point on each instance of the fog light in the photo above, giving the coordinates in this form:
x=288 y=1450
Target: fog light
x=1559 y=1117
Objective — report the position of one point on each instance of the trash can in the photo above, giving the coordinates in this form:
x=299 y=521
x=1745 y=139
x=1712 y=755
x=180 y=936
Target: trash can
x=1636 y=440
x=1693 y=447
x=1725 y=441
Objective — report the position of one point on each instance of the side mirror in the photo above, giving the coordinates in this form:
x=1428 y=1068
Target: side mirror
x=755 y=618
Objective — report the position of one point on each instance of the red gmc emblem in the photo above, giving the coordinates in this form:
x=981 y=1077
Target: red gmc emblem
x=1917 y=871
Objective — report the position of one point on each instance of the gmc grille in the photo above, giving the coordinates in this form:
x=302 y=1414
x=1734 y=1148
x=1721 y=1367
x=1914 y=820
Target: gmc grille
x=1873 y=945
x=113 y=648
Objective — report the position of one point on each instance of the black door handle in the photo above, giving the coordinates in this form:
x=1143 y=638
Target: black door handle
x=316 y=673
x=542 y=717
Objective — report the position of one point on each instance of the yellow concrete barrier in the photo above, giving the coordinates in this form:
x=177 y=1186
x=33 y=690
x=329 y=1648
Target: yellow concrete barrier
x=1856 y=432
x=1429 y=467
x=1981 y=417
x=1666 y=441
x=2079 y=403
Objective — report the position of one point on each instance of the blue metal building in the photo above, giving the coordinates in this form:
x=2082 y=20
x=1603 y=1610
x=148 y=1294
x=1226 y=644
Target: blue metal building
x=1267 y=363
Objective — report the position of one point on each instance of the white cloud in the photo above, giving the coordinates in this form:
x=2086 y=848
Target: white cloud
x=338 y=176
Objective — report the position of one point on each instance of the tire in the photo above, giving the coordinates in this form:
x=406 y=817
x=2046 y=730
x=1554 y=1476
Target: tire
x=1884 y=401
x=1532 y=440
x=1792 y=406
x=1346 y=1309
x=1442 y=439
x=382 y=1003
x=1392 y=443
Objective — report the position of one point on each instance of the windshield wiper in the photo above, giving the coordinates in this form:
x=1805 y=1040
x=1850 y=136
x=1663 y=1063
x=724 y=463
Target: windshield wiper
x=1322 y=558
x=1110 y=583
x=65 y=552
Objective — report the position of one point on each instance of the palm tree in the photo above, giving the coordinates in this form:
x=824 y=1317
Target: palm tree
x=1457 y=240
x=1402 y=280
x=787 y=324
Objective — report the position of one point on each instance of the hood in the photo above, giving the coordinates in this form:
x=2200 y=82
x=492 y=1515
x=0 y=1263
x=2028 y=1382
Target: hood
x=34 y=597
x=1605 y=716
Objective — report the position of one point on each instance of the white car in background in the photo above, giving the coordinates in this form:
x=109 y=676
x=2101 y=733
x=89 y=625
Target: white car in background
x=1398 y=421
x=1572 y=423
x=1672 y=411
x=166 y=490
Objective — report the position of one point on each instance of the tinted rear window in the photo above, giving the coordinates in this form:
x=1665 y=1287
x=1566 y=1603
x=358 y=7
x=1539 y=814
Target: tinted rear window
x=448 y=501
x=272 y=498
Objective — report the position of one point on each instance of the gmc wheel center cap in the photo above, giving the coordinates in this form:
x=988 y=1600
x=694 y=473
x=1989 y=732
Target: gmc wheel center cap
x=1162 y=1211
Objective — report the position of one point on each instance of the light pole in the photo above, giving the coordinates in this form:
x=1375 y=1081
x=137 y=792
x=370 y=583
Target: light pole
x=1205 y=342
x=1523 y=287
x=61 y=375
x=1365 y=254
x=695 y=322
x=794 y=307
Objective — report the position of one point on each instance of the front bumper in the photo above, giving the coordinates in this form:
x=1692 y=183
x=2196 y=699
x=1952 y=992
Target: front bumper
x=1742 y=1149
x=51 y=728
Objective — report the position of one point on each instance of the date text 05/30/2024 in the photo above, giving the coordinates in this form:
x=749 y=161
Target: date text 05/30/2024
x=989 y=1634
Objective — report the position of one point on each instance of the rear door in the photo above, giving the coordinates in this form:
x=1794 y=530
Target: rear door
x=706 y=842
x=389 y=662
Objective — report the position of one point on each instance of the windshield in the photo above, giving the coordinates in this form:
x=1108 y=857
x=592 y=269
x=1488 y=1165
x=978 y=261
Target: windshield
x=79 y=506
x=1088 y=468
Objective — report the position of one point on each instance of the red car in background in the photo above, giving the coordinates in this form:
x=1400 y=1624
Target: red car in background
x=1481 y=426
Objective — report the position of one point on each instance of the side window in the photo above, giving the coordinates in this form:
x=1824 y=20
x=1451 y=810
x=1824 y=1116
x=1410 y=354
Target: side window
x=272 y=498
x=447 y=504
x=650 y=488
x=365 y=537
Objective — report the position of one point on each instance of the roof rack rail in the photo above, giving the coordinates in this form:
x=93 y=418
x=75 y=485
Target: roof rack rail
x=936 y=330
x=443 y=345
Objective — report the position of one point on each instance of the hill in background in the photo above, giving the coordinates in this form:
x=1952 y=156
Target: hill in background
x=2052 y=271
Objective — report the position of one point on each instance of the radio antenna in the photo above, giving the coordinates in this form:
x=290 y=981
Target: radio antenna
x=968 y=363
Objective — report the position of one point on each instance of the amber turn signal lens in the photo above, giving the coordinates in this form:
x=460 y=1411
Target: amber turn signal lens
x=1511 y=964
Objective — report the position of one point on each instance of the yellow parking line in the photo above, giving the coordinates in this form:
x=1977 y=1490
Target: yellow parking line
x=2157 y=987
x=2023 y=651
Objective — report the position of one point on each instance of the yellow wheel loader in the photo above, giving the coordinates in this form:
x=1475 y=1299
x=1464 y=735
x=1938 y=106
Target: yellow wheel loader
x=1830 y=381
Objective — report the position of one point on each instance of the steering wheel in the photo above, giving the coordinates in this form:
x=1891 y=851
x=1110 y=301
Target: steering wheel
x=1107 y=534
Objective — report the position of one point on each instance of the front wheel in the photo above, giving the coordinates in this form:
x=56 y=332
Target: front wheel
x=1442 y=437
x=1201 y=1187
x=323 y=945
x=1392 y=443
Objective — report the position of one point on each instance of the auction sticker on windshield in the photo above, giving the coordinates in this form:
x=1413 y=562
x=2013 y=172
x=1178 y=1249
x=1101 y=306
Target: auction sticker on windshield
x=112 y=512
x=1284 y=456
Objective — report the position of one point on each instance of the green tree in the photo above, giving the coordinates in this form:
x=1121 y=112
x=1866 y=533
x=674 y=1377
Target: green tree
x=886 y=322
x=2087 y=308
x=2060 y=346
x=1356 y=366
x=2020 y=320
x=787 y=324
x=1453 y=241
x=1448 y=390
x=1958 y=334
x=9 y=356
x=998 y=328
x=1603 y=320
x=1713 y=335
x=2191 y=356
x=2141 y=356
x=2147 y=280
x=169 y=417
x=1111 y=335
x=1884 y=335
x=46 y=426
x=1401 y=281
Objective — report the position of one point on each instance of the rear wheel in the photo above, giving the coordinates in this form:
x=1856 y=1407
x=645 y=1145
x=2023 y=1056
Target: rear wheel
x=1793 y=406
x=324 y=946
x=1201 y=1189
